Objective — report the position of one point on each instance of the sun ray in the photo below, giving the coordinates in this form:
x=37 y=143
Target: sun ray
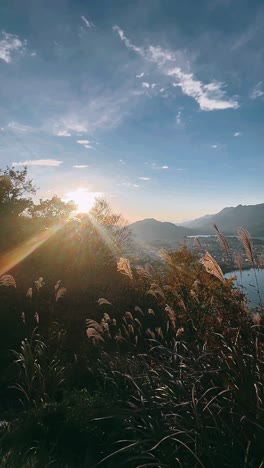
x=83 y=198
x=16 y=255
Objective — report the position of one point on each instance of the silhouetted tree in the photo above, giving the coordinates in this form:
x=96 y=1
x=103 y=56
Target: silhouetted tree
x=52 y=211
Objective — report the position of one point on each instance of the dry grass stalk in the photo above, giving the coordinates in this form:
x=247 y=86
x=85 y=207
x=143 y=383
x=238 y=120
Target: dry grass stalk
x=239 y=264
x=60 y=293
x=245 y=239
x=102 y=301
x=39 y=283
x=147 y=271
x=57 y=285
x=212 y=266
x=197 y=242
x=222 y=240
x=7 y=280
x=93 y=334
x=123 y=266
x=29 y=293
x=171 y=315
x=155 y=290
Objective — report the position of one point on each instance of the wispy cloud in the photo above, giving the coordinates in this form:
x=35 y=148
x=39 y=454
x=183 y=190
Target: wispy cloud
x=105 y=110
x=144 y=178
x=179 y=118
x=237 y=134
x=63 y=133
x=87 y=23
x=257 y=91
x=38 y=162
x=18 y=127
x=140 y=75
x=86 y=144
x=214 y=146
x=127 y=42
x=80 y=166
x=158 y=167
x=10 y=44
x=209 y=97
x=145 y=84
x=83 y=142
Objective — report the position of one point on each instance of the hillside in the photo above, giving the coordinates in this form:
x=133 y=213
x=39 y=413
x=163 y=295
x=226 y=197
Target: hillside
x=149 y=230
x=251 y=217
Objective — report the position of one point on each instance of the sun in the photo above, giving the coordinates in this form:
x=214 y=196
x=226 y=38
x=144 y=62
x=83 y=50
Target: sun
x=83 y=198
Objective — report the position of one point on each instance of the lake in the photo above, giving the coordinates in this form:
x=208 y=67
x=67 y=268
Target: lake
x=248 y=284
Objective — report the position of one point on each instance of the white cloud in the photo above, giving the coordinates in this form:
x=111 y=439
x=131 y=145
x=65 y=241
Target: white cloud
x=83 y=142
x=214 y=146
x=209 y=96
x=88 y=24
x=9 y=45
x=63 y=133
x=75 y=125
x=127 y=42
x=144 y=178
x=237 y=134
x=257 y=91
x=162 y=90
x=140 y=75
x=145 y=85
x=153 y=85
x=178 y=118
x=80 y=166
x=38 y=162
x=159 y=55
x=156 y=166
x=16 y=126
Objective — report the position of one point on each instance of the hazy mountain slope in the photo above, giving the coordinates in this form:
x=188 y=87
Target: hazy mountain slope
x=250 y=217
x=149 y=230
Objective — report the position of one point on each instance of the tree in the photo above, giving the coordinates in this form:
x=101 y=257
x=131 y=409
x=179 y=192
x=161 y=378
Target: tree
x=114 y=223
x=52 y=211
x=14 y=190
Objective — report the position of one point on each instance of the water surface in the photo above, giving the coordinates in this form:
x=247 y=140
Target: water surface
x=247 y=283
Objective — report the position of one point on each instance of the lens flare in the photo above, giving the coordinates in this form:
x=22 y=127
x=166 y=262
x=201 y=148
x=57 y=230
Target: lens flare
x=16 y=255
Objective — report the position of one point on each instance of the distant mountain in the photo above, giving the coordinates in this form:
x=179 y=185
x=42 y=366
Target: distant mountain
x=149 y=230
x=250 y=217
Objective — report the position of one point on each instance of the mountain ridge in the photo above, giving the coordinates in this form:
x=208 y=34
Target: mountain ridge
x=250 y=217
x=150 y=229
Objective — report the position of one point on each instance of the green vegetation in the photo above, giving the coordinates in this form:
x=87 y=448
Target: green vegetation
x=108 y=363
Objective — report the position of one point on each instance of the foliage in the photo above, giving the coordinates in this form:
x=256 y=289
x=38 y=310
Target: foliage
x=116 y=364
x=40 y=376
x=14 y=186
x=52 y=211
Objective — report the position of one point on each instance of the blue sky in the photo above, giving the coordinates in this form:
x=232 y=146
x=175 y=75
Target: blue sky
x=158 y=105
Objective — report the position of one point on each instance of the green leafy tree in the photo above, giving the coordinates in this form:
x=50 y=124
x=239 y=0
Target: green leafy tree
x=15 y=191
x=15 y=199
x=52 y=211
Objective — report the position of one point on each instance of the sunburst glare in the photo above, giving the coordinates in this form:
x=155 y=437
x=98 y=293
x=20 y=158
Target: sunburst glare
x=83 y=198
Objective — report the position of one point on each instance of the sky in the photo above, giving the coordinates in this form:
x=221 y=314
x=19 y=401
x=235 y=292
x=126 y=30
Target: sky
x=156 y=105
